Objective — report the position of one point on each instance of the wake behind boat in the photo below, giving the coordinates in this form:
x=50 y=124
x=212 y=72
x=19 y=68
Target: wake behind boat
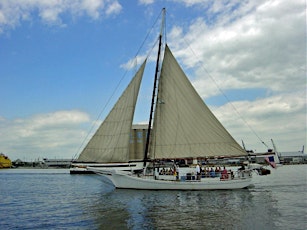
x=180 y=126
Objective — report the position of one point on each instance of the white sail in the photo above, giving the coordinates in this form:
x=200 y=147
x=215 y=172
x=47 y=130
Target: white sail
x=110 y=143
x=183 y=125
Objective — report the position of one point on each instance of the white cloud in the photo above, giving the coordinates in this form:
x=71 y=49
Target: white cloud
x=12 y=13
x=264 y=48
x=133 y=63
x=281 y=117
x=146 y=2
x=92 y=7
x=113 y=8
x=49 y=135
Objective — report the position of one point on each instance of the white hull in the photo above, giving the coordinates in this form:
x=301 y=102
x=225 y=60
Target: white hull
x=121 y=179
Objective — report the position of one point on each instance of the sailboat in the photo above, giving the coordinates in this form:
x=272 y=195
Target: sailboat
x=180 y=126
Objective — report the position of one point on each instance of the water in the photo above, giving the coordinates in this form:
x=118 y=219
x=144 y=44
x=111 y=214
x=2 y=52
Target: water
x=54 y=199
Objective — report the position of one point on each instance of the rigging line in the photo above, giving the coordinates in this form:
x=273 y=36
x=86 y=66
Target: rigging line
x=164 y=26
x=117 y=86
x=222 y=92
x=147 y=35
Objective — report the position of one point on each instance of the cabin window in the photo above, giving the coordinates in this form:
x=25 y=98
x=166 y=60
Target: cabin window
x=139 y=136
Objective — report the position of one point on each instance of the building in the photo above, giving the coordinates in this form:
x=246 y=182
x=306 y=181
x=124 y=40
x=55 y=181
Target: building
x=293 y=157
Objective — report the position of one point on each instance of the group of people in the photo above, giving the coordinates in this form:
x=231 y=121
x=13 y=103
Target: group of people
x=201 y=172
x=170 y=171
x=210 y=172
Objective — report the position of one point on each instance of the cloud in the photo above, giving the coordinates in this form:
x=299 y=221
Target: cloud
x=12 y=13
x=281 y=117
x=49 y=135
x=146 y=2
x=113 y=8
x=132 y=63
x=264 y=48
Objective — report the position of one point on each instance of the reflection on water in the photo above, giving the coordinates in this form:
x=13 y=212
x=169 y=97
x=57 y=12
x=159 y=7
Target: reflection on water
x=184 y=209
x=56 y=199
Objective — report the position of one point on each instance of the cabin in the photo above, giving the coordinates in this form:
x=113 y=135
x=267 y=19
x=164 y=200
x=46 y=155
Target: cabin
x=137 y=141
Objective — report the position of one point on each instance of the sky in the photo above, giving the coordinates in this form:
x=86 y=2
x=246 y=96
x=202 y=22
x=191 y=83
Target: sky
x=63 y=63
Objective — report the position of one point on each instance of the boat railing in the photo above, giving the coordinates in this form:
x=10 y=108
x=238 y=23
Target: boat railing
x=230 y=175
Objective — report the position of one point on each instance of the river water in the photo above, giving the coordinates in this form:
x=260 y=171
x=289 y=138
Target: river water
x=54 y=199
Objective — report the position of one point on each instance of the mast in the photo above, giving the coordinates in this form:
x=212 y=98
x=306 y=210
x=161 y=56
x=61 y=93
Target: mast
x=274 y=147
x=155 y=86
x=243 y=145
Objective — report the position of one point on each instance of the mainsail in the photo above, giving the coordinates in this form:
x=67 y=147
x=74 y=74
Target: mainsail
x=183 y=125
x=110 y=143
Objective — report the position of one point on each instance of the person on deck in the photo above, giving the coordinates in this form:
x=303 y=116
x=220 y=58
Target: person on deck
x=242 y=167
x=217 y=171
x=198 y=171
x=224 y=173
x=212 y=173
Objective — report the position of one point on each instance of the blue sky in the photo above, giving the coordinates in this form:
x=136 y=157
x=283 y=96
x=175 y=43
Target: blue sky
x=60 y=62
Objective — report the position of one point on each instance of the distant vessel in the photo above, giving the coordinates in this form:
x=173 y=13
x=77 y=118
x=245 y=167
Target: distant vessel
x=5 y=162
x=182 y=127
x=56 y=163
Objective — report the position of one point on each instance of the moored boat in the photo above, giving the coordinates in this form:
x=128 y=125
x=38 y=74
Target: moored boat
x=5 y=162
